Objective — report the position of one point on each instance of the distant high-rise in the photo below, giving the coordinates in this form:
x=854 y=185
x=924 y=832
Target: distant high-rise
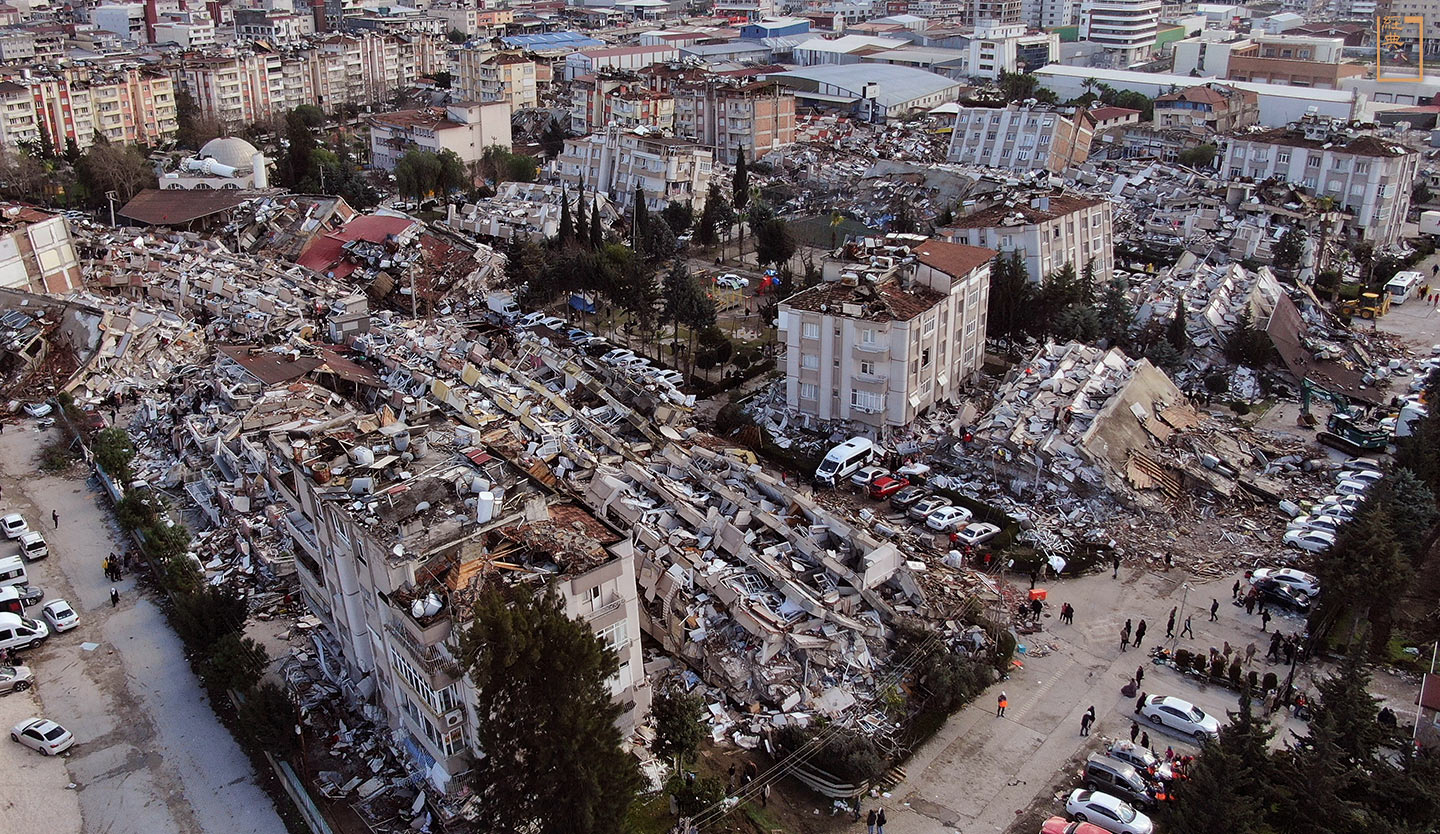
x=1126 y=28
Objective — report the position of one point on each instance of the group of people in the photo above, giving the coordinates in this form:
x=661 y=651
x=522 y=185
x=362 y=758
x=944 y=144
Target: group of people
x=114 y=569
x=1127 y=630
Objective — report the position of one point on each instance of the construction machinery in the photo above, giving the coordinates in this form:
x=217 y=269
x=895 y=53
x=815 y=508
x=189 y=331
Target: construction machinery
x=1368 y=306
x=1347 y=429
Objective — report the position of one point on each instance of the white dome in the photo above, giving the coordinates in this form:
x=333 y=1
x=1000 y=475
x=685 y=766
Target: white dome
x=229 y=150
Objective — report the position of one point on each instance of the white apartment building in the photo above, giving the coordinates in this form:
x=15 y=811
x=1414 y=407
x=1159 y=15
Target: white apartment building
x=996 y=49
x=883 y=339
x=467 y=129
x=1126 y=28
x=1020 y=138
x=1368 y=176
x=495 y=76
x=1048 y=230
x=615 y=162
x=188 y=30
x=124 y=19
x=37 y=254
x=1046 y=14
x=18 y=123
x=17 y=45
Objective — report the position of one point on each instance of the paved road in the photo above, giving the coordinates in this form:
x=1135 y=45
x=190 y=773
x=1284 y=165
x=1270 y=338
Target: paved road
x=151 y=756
x=980 y=771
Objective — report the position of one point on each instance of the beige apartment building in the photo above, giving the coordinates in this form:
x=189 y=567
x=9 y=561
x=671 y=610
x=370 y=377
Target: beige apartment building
x=134 y=105
x=495 y=76
x=18 y=122
x=887 y=336
x=1020 y=138
x=1049 y=230
x=467 y=129
x=615 y=162
x=756 y=117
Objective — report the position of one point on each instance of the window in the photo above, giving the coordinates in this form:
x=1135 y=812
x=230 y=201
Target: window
x=810 y=330
x=867 y=336
x=614 y=637
x=809 y=391
x=929 y=325
x=869 y=401
x=810 y=361
x=1312 y=162
x=867 y=368
x=925 y=358
x=1362 y=167
x=1282 y=157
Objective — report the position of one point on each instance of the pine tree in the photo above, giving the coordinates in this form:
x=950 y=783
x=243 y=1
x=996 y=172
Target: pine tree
x=1175 y=331
x=1116 y=314
x=640 y=226
x=567 y=227
x=597 y=235
x=1348 y=711
x=740 y=194
x=554 y=762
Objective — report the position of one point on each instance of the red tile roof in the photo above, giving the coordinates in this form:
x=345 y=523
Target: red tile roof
x=324 y=254
x=953 y=259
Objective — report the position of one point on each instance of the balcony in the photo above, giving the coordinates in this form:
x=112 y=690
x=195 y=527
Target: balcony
x=429 y=658
x=873 y=347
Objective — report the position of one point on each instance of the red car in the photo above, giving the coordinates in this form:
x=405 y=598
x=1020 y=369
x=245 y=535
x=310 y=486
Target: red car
x=886 y=486
x=1060 y=825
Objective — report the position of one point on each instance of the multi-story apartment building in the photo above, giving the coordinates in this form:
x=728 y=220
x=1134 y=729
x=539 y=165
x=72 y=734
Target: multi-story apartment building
x=1215 y=108
x=615 y=162
x=37 y=253
x=1367 y=176
x=273 y=26
x=124 y=19
x=1295 y=60
x=1046 y=14
x=885 y=338
x=467 y=129
x=471 y=21
x=986 y=13
x=132 y=105
x=1049 y=230
x=391 y=567
x=495 y=76
x=188 y=30
x=1125 y=28
x=591 y=61
x=18 y=122
x=621 y=100
x=16 y=45
x=756 y=117
x=1020 y=138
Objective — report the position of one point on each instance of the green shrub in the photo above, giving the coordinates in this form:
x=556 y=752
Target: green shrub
x=56 y=456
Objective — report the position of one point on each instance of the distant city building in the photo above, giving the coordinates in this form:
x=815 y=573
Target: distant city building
x=467 y=129
x=1127 y=29
x=1020 y=138
x=495 y=76
x=1217 y=108
x=756 y=117
x=1297 y=60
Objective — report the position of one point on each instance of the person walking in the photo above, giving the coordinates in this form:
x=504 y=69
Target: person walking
x=1000 y=704
x=114 y=597
x=1139 y=705
x=1086 y=720
x=1145 y=740
x=880 y=822
x=1235 y=591
x=1125 y=637
x=765 y=796
x=1250 y=604
x=1115 y=566
x=1250 y=653
x=1139 y=675
x=1134 y=731
x=1214 y=610
x=1274 y=652
x=55 y=517
x=870 y=821
x=1187 y=630
x=1139 y=633
x=1170 y=624
x=105 y=565
x=1264 y=620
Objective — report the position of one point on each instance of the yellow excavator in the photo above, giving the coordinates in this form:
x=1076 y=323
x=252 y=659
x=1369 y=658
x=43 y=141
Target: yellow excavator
x=1368 y=306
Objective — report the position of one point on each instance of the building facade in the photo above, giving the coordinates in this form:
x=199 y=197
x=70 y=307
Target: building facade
x=1050 y=231
x=1216 y=108
x=467 y=129
x=37 y=254
x=1020 y=138
x=884 y=339
x=495 y=76
x=1125 y=28
x=756 y=118
x=1369 y=177
x=615 y=162
x=129 y=106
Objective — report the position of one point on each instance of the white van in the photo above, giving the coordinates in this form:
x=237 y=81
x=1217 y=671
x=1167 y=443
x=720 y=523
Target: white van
x=12 y=572
x=32 y=546
x=1404 y=286
x=17 y=632
x=842 y=461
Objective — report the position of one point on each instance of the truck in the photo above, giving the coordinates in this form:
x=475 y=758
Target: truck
x=1430 y=223
x=503 y=305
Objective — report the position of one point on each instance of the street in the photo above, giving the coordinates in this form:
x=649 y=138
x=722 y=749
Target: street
x=149 y=755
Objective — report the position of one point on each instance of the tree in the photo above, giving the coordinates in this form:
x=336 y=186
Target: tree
x=299 y=155
x=567 y=226
x=1012 y=298
x=1420 y=194
x=269 y=719
x=1420 y=452
x=311 y=115
x=582 y=223
x=114 y=452
x=553 y=758
x=1247 y=344
x=499 y=164
x=456 y=36
x=639 y=220
x=678 y=727
x=421 y=174
x=1288 y=249
x=740 y=193
x=1115 y=312
x=945 y=218
x=235 y=662
x=1348 y=711
x=774 y=242
x=1175 y=333
x=714 y=217
x=597 y=235
x=119 y=168
x=204 y=617
x=1077 y=322
x=443 y=80
x=1200 y=156
x=678 y=216
x=552 y=139
x=1413 y=513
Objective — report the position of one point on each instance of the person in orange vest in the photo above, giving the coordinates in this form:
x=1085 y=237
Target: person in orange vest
x=1001 y=705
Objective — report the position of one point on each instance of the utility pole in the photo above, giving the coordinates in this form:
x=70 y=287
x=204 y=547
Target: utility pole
x=111 y=196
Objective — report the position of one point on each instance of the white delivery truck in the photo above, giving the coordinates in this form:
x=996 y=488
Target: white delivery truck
x=1404 y=286
x=844 y=460
x=1430 y=223
x=503 y=305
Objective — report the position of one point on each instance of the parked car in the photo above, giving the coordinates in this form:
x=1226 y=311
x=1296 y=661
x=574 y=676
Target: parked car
x=1364 y=476
x=40 y=409
x=1109 y=812
x=1310 y=541
x=617 y=356
x=906 y=497
x=15 y=679
x=1329 y=523
x=529 y=319
x=868 y=475
x=732 y=281
x=946 y=519
x=1180 y=715
x=669 y=375
x=1350 y=486
x=14 y=526
x=887 y=485
x=1349 y=503
x=1060 y=825
x=1139 y=758
x=554 y=323
x=1117 y=778
x=20 y=632
x=921 y=510
x=1272 y=591
x=33 y=547
x=44 y=735
x=1305 y=583
x=597 y=347
x=60 y=615
x=1362 y=465
x=576 y=335
x=977 y=533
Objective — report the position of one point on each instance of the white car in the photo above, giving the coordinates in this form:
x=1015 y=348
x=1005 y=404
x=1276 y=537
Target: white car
x=1362 y=465
x=618 y=356
x=60 y=615
x=732 y=281
x=1350 y=486
x=1310 y=541
x=1366 y=476
x=1334 y=511
x=922 y=509
x=529 y=319
x=978 y=533
x=40 y=409
x=1328 y=523
x=669 y=375
x=14 y=526
x=946 y=519
x=553 y=322
x=44 y=735
x=1109 y=812
x=1349 y=503
x=868 y=475
x=1180 y=715
x=1296 y=580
